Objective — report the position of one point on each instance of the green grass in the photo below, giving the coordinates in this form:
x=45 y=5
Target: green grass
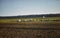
x=15 y=19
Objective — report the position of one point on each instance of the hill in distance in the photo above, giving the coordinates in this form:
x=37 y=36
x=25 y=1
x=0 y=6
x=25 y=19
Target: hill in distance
x=31 y=16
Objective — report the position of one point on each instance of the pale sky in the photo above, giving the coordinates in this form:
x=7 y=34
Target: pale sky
x=28 y=7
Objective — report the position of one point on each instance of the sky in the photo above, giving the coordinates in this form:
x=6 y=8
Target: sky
x=28 y=7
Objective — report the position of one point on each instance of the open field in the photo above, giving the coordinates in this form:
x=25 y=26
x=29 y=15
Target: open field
x=29 y=31
x=10 y=28
x=48 y=19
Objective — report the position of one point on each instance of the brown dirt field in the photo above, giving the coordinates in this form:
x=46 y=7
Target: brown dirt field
x=30 y=30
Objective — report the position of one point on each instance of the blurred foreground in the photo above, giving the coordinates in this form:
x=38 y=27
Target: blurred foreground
x=30 y=30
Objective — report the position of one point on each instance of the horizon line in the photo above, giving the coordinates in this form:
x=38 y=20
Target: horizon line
x=26 y=14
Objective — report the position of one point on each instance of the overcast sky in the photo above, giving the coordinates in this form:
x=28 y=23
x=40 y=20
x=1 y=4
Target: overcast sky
x=27 y=7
